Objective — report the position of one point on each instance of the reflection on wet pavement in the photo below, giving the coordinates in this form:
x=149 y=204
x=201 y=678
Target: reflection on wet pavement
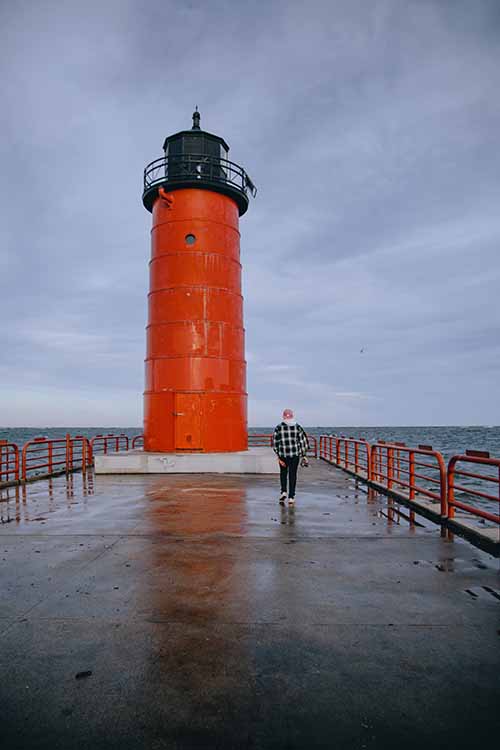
x=32 y=502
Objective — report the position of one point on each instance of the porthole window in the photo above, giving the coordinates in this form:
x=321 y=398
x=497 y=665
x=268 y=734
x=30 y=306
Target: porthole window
x=190 y=239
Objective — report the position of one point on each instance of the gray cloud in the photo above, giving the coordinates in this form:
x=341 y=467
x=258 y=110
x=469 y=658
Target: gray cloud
x=371 y=131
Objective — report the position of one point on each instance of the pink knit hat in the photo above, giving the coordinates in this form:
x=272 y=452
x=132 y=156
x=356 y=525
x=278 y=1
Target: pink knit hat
x=287 y=414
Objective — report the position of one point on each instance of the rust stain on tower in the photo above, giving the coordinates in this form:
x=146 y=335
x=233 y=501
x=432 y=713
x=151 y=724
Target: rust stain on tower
x=195 y=393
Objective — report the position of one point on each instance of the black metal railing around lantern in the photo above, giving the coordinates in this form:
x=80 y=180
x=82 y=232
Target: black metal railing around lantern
x=197 y=171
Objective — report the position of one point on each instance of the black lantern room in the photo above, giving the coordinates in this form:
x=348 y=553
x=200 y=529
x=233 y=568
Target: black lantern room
x=197 y=159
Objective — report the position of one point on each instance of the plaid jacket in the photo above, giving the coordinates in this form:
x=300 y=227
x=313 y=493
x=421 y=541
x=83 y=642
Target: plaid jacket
x=290 y=441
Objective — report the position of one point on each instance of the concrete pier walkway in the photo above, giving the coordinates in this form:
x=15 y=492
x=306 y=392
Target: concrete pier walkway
x=209 y=617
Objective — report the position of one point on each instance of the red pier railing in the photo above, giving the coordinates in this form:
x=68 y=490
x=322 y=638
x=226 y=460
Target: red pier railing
x=410 y=471
x=80 y=455
x=9 y=462
x=104 y=444
x=419 y=476
x=45 y=457
x=480 y=495
x=348 y=453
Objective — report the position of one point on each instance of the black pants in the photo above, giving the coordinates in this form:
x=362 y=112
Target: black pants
x=290 y=470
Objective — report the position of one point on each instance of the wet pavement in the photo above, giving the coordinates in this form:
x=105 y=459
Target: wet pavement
x=210 y=617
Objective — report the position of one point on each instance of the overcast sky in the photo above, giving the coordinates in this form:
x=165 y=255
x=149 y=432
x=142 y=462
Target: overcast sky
x=370 y=255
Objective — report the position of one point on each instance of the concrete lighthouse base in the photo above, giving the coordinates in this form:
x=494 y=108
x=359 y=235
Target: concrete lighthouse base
x=252 y=461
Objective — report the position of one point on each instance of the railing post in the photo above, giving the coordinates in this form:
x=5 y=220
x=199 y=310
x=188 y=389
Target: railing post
x=451 y=489
x=368 y=462
x=50 y=456
x=69 y=456
x=411 y=474
x=356 y=457
x=390 y=467
x=375 y=476
x=443 y=485
x=23 y=461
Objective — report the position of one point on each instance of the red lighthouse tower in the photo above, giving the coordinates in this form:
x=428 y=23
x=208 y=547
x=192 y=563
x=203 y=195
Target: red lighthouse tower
x=195 y=394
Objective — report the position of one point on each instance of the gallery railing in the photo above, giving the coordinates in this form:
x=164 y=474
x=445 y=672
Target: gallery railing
x=195 y=170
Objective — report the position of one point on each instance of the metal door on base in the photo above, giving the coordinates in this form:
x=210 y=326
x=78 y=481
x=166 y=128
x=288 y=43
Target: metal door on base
x=187 y=414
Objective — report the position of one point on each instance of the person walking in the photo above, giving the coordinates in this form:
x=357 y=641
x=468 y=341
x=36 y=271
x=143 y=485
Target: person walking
x=290 y=444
